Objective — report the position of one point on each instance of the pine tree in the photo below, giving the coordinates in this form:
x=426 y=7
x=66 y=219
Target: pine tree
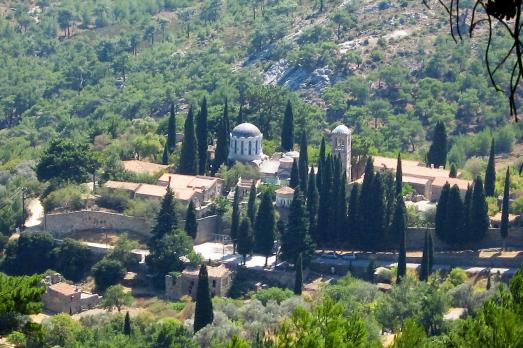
x=222 y=143
x=188 y=157
x=400 y=226
x=166 y=220
x=352 y=227
x=490 y=174
x=191 y=225
x=399 y=176
x=430 y=253
x=312 y=203
x=201 y=132
x=437 y=154
x=453 y=171
x=235 y=218
x=424 y=267
x=321 y=164
x=441 y=211
x=264 y=227
x=296 y=238
x=171 y=131
x=251 y=203
x=127 y=325
x=303 y=164
x=165 y=155
x=287 y=129
x=505 y=209
x=298 y=279
x=245 y=238
x=295 y=176
x=479 y=220
x=325 y=204
x=453 y=228
x=203 y=312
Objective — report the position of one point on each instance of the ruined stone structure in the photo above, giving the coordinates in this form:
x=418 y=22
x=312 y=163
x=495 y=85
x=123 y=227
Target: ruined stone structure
x=186 y=283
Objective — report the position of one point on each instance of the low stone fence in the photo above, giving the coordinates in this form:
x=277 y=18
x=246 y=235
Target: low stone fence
x=61 y=224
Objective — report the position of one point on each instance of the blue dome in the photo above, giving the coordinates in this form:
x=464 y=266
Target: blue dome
x=245 y=130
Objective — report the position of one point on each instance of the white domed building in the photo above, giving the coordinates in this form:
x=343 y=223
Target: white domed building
x=246 y=144
x=341 y=145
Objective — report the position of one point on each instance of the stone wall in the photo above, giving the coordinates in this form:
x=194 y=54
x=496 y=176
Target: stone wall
x=61 y=224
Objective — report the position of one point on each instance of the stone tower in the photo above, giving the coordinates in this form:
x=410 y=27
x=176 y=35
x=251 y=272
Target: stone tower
x=341 y=145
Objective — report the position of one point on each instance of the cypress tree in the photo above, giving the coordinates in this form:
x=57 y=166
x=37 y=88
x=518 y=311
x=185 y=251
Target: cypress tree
x=191 y=225
x=352 y=226
x=467 y=228
x=453 y=171
x=365 y=204
x=335 y=213
x=479 y=220
x=400 y=226
x=424 y=267
x=287 y=129
x=165 y=155
x=321 y=164
x=505 y=209
x=235 y=218
x=222 y=143
x=251 y=204
x=245 y=238
x=264 y=227
x=296 y=238
x=171 y=131
x=312 y=204
x=325 y=204
x=295 y=176
x=490 y=173
x=298 y=278
x=430 y=258
x=241 y=118
x=441 y=211
x=340 y=210
x=437 y=154
x=453 y=228
x=127 y=325
x=376 y=213
x=201 y=132
x=399 y=176
x=188 y=157
x=166 y=220
x=203 y=313
x=303 y=164
x=399 y=220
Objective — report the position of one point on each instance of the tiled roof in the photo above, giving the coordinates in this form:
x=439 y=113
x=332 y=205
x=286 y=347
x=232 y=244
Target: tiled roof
x=462 y=184
x=285 y=190
x=213 y=272
x=64 y=289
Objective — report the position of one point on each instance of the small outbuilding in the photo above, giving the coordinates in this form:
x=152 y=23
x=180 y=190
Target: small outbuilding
x=186 y=283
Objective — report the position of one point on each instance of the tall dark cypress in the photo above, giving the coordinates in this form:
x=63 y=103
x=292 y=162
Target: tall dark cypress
x=467 y=206
x=296 y=238
x=441 y=211
x=479 y=219
x=321 y=164
x=264 y=227
x=245 y=239
x=287 y=129
x=324 y=208
x=399 y=220
x=399 y=176
x=171 y=130
x=235 y=218
x=295 y=175
x=453 y=171
x=400 y=227
x=222 y=140
x=167 y=220
x=188 y=157
x=437 y=154
x=376 y=214
x=203 y=313
x=201 y=132
x=191 y=225
x=365 y=204
x=127 y=325
x=312 y=203
x=165 y=155
x=505 y=209
x=298 y=277
x=424 y=267
x=453 y=228
x=303 y=164
x=352 y=226
x=251 y=203
x=241 y=117
x=490 y=173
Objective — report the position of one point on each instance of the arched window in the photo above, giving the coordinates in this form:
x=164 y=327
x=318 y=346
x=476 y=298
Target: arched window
x=241 y=147
x=235 y=146
x=257 y=151
x=250 y=148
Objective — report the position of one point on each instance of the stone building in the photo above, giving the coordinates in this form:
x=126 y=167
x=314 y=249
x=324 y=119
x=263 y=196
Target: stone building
x=341 y=145
x=284 y=197
x=186 y=283
x=61 y=297
x=246 y=143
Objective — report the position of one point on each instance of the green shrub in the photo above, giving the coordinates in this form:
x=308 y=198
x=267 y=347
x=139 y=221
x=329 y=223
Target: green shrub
x=70 y=197
x=277 y=295
x=118 y=200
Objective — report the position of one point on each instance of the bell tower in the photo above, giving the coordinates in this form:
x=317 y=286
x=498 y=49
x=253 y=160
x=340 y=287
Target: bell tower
x=341 y=146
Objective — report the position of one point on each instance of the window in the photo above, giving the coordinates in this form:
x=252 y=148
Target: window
x=235 y=146
x=256 y=150
x=241 y=147
x=250 y=148
x=214 y=283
